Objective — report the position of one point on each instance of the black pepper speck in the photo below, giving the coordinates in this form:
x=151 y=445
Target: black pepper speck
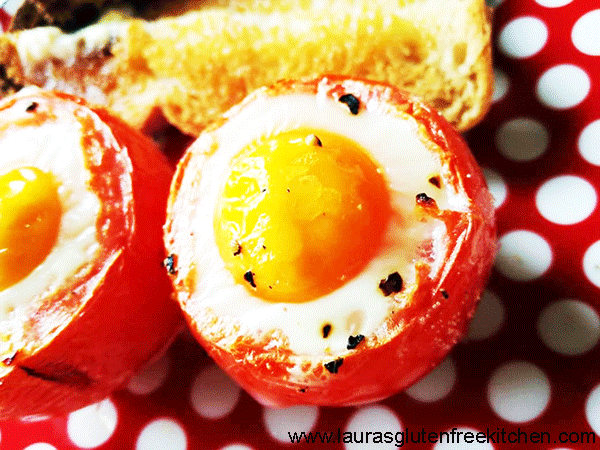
x=169 y=264
x=249 y=277
x=391 y=284
x=424 y=200
x=32 y=107
x=435 y=181
x=353 y=341
x=8 y=361
x=352 y=102
x=333 y=366
x=312 y=139
x=326 y=331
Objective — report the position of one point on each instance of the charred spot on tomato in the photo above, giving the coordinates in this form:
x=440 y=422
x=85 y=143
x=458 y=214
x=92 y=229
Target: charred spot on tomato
x=334 y=366
x=435 y=180
x=249 y=277
x=424 y=200
x=32 y=107
x=61 y=374
x=353 y=341
x=326 y=331
x=391 y=285
x=170 y=264
x=444 y=293
x=238 y=249
x=351 y=102
x=302 y=390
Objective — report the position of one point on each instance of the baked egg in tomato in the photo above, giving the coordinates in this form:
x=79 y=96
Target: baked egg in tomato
x=329 y=241
x=82 y=204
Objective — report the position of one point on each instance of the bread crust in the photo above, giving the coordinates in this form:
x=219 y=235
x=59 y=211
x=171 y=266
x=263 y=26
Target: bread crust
x=193 y=67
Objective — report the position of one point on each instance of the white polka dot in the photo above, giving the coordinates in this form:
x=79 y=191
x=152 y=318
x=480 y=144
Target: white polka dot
x=592 y=409
x=488 y=318
x=569 y=327
x=518 y=391
x=523 y=37
x=589 y=143
x=554 y=91
x=40 y=446
x=93 y=425
x=161 y=434
x=523 y=255
x=280 y=422
x=369 y=419
x=566 y=199
x=214 y=395
x=462 y=439
x=436 y=385
x=591 y=263
x=151 y=377
x=522 y=139
x=236 y=447
x=501 y=84
x=586 y=33
x=496 y=185
x=553 y=3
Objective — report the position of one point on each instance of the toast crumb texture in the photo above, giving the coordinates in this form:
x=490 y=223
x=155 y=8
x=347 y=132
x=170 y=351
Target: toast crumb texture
x=193 y=67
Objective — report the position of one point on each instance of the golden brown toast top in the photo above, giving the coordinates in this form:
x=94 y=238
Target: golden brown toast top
x=192 y=67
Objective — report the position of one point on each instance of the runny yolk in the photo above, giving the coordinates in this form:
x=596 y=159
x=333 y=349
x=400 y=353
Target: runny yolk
x=300 y=214
x=30 y=215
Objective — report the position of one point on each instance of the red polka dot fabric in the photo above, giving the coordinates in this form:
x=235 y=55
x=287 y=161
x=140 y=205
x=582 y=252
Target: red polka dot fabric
x=526 y=376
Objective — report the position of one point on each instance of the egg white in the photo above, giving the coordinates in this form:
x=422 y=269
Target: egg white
x=359 y=306
x=54 y=147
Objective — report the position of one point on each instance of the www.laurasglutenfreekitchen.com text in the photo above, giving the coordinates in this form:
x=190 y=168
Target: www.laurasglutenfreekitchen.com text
x=453 y=436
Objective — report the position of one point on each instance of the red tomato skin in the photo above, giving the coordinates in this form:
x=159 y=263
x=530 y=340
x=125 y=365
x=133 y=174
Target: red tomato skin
x=90 y=337
x=420 y=335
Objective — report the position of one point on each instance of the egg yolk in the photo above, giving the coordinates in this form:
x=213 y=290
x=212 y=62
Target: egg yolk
x=30 y=215
x=300 y=214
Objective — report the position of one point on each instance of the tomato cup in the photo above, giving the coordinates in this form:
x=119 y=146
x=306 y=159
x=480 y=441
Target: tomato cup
x=88 y=328
x=430 y=300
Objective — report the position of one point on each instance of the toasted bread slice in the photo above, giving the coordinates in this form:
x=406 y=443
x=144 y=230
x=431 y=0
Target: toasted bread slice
x=193 y=67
